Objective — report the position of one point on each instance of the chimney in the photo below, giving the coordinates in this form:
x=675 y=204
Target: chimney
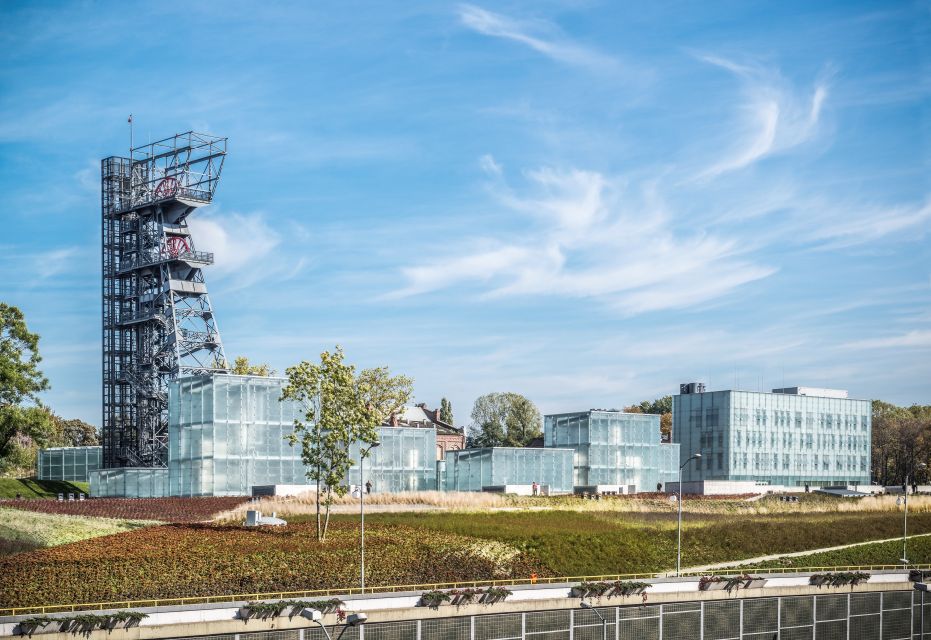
x=436 y=415
x=394 y=420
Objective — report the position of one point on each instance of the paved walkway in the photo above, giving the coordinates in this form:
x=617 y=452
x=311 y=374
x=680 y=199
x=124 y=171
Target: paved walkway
x=796 y=554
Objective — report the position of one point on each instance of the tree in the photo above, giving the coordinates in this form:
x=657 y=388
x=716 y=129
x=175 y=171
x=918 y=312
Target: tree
x=242 y=367
x=340 y=409
x=504 y=419
x=74 y=433
x=901 y=439
x=21 y=381
x=446 y=411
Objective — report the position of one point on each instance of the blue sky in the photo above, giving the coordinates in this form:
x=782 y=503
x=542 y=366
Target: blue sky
x=587 y=203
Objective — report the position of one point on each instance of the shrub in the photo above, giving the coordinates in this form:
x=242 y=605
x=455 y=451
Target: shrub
x=434 y=598
x=464 y=596
x=839 y=579
x=496 y=594
x=82 y=623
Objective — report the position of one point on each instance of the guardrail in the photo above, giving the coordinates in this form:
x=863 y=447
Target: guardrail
x=317 y=593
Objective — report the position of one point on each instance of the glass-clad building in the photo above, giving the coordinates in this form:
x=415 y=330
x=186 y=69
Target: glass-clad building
x=497 y=467
x=405 y=460
x=129 y=482
x=615 y=449
x=72 y=464
x=796 y=437
x=227 y=434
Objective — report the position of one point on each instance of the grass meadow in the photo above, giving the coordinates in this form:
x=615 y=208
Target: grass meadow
x=424 y=538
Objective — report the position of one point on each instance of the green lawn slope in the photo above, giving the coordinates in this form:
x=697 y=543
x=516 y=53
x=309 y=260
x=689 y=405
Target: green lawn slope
x=32 y=488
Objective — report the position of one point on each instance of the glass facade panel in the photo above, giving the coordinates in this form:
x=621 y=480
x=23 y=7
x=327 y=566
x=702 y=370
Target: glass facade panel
x=481 y=469
x=72 y=464
x=773 y=438
x=133 y=482
x=404 y=461
x=614 y=449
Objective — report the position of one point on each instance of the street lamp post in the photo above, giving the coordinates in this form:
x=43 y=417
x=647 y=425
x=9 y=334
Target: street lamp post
x=697 y=456
x=904 y=558
x=604 y=623
x=363 y=453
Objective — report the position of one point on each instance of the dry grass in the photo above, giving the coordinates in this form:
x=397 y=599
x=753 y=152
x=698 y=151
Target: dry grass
x=418 y=501
x=306 y=504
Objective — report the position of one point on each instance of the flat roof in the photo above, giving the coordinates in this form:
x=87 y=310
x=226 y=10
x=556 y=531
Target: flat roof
x=617 y=411
x=770 y=393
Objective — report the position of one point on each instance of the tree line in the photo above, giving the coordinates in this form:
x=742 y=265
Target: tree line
x=901 y=441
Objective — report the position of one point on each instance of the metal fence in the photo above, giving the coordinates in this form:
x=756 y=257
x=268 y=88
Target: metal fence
x=890 y=615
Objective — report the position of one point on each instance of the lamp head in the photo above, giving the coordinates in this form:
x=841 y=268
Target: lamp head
x=697 y=455
x=355 y=619
x=311 y=614
x=585 y=605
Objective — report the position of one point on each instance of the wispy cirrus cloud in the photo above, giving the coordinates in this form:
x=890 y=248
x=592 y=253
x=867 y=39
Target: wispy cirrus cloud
x=917 y=339
x=543 y=37
x=52 y=263
x=775 y=116
x=587 y=237
x=855 y=225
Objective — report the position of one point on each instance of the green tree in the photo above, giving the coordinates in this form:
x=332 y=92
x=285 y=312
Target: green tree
x=340 y=408
x=242 y=367
x=74 y=433
x=504 y=419
x=21 y=413
x=446 y=411
x=901 y=439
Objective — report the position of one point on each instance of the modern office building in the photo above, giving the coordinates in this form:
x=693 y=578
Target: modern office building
x=614 y=451
x=72 y=464
x=795 y=436
x=509 y=469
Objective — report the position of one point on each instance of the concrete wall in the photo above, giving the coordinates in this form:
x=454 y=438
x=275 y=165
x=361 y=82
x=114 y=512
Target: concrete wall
x=398 y=616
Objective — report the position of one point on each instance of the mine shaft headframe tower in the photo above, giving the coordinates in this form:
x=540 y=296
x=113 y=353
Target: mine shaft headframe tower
x=157 y=319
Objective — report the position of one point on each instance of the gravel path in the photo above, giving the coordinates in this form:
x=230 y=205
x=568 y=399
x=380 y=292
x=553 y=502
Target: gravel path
x=797 y=554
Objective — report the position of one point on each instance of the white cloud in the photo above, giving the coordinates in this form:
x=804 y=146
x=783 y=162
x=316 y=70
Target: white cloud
x=917 y=339
x=853 y=225
x=52 y=263
x=587 y=238
x=238 y=241
x=775 y=117
x=539 y=36
x=490 y=166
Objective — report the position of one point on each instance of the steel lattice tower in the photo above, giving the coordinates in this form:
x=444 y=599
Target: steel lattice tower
x=157 y=319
